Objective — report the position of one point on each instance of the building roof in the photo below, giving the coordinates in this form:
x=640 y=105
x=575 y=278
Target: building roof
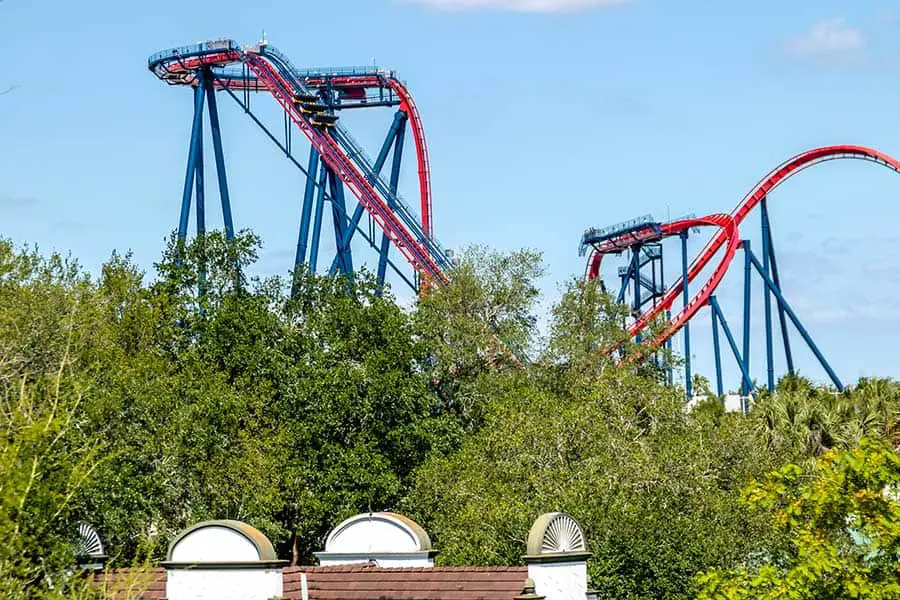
x=366 y=582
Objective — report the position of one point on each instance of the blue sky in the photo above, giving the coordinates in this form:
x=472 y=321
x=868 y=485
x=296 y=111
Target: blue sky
x=543 y=117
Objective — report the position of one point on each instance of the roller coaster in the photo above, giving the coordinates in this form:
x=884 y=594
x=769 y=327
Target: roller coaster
x=312 y=101
x=652 y=300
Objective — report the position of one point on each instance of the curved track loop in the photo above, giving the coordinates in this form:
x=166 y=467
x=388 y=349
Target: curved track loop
x=757 y=194
x=728 y=232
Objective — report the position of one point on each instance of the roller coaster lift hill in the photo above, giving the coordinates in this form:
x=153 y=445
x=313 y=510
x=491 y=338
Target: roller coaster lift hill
x=312 y=101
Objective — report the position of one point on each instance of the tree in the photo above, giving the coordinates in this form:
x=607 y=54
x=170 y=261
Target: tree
x=43 y=468
x=840 y=526
x=482 y=322
x=656 y=488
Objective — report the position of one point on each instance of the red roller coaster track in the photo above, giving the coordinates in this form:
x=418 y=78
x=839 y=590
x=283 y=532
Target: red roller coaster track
x=727 y=233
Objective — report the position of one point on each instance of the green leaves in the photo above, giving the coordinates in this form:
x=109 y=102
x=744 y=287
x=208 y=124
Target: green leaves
x=841 y=529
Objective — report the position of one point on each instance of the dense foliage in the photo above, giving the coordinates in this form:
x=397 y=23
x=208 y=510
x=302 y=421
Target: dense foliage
x=841 y=529
x=145 y=404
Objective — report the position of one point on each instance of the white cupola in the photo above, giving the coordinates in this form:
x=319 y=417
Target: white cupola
x=383 y=538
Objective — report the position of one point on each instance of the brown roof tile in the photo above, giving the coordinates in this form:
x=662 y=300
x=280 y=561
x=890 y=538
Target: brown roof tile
x=366 y=582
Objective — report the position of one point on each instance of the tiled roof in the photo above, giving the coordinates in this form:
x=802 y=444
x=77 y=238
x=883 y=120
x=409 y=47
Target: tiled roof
x=365 y=582
x=145 y=584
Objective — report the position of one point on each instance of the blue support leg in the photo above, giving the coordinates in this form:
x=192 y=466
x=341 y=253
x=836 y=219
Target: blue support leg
x=309 y=196
x=717 y=353
x=399 y=137
x=767 y=298
x=317 y=219
x=200 y=194
x=220 y=158
x=637 y=285
x=788 y=356
x=196 y=139
x=688 y=384
x=745 y=244
x=376 y=169
x=714 y=304
x=200 y=191
x=339 y=216
x=796 y=321
x=626 y=280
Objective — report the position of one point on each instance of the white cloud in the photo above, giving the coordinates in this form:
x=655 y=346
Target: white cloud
x=534 y=6
x=829 y=40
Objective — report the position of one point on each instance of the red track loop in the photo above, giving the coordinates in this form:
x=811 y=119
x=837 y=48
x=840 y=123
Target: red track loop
x=729 y=234
x=728 y=231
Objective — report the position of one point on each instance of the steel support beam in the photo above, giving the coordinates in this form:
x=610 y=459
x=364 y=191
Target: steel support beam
x=796 y=321
x=216 y=131
x=317 y=219
x=745 y=244
x=400 y=120
x=200 y=191
x=714 y=304
x=717 y=353
x=688 y=384
x=376 y=170
x=637 y=285
x=339 y=218
x=788 y=356
x=309 y=198
x=767 y=298
x=196 y=141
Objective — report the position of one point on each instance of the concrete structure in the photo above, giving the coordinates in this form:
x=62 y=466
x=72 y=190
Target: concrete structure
x=223 y=560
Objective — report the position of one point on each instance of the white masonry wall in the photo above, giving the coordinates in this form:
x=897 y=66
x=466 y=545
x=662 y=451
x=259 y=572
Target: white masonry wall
x=224 y=584
x=559 y=580
x=219 y=561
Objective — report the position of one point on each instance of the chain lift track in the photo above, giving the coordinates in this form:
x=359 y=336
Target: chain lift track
x=312 y=100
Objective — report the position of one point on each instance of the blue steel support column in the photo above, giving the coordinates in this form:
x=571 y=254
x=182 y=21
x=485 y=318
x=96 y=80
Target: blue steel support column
x=626 y=279
x=339 y=217
x=687 y=327
x=220 y=157
x=796 y=321
x=714 y=304
x=767 y=297
x=376 y=170
x=200 y=192
x=746 y=386
x=717 y=352
x=309 y=196
x=637 y=285
x=196 y=139
x=783 y=321
x=399 y=122
x=670 y=375
x=399 y=137
x=317 y=219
